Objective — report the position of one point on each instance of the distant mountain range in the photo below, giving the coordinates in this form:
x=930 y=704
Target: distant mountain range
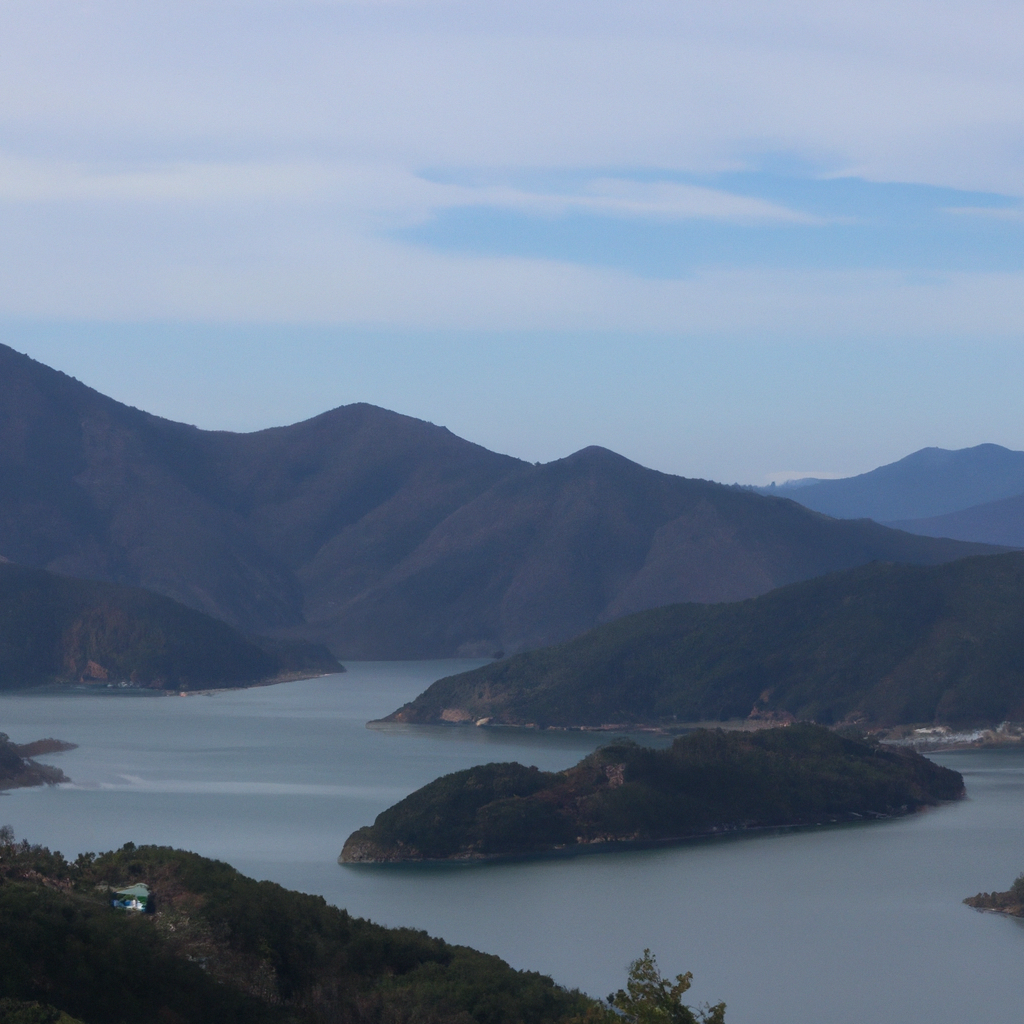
x=996 y=522
x=973 y=494
x=56 y=629
x=382 y=535
x=878 y=644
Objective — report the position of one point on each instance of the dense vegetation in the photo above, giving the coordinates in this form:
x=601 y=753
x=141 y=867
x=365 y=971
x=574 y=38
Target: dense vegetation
x=26 y=1011
x=649 y=998
x=222 y=948
x=880 y=644
x=706 y=782
x=53 y=628
x=18 y=769
x=1010 y=902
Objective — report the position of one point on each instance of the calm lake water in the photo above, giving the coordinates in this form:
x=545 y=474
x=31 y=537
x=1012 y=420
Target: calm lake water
x=840 y=925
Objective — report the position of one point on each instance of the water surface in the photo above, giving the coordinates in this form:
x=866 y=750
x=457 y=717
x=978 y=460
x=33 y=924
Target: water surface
x=844 y=925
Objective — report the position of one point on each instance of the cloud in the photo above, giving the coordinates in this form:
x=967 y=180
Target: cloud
x=388 y=194
x=248 y=160
x=280 y=267
x=907 y=91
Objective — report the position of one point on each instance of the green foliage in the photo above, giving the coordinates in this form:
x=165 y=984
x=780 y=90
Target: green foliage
x=488 y=802
x=709 y=780
x=57 y=628
x=1018 y=888
x=651 y=999
x=17 y=1011
x=882 y=643
x=222 y=947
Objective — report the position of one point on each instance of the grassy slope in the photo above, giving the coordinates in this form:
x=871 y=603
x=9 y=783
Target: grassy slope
x=52 y=627
x=881 y=643
x=223 y=948
x=707 y=781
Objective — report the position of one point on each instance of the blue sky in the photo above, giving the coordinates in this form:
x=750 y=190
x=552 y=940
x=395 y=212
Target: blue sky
x=744 y=241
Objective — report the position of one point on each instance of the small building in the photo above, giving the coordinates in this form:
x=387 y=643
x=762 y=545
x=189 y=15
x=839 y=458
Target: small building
x=135 y=897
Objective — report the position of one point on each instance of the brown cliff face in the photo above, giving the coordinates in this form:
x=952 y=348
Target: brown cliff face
x=382 y=535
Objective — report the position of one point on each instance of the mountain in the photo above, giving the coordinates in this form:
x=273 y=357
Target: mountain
x=706 y=783
x=879 y=644
x=930 y=482
x=57 y=629
x=258 y=529
x=996 y=522
x=384 y=536
x=551 y=550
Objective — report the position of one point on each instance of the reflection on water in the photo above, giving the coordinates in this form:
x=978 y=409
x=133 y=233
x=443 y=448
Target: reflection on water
x=836 y=925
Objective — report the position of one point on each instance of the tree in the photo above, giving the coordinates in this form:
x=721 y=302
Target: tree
x=651 y=999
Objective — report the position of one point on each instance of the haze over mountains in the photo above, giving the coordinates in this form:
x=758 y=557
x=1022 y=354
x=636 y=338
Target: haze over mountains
x=385 y=536
x=974 y=494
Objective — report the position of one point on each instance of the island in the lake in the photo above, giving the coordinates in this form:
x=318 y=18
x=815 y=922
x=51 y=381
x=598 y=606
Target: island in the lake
x=17 y=767
x=1010 y=902
x=708 y=782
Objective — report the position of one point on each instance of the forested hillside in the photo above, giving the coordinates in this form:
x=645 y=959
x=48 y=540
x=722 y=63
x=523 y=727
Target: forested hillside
x=57 y=629
x=879 y=644
x=224 y=949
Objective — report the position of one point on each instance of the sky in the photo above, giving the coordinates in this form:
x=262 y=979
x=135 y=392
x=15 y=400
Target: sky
x=744 y=241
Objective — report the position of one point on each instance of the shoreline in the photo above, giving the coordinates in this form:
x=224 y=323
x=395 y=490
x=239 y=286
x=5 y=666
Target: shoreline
x=924 y=739
x=108 y=689
x=598 y=846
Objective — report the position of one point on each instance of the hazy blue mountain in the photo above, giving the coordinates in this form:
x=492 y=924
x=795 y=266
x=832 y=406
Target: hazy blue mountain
x=385 y=536
x=931 y=482
x=996 y=522
x=550 y=551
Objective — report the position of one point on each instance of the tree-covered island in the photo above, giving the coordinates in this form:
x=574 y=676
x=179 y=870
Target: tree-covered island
x=706 y=783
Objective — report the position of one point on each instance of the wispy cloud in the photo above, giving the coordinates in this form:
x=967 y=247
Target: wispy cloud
x=372 y=187
x=1007 y=213
x=237 y=150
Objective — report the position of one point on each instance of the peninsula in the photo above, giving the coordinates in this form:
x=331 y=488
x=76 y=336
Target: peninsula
x=882 y=644
x=1010 y=902
x=56 y=629
x=708 y=782
x=18 y=769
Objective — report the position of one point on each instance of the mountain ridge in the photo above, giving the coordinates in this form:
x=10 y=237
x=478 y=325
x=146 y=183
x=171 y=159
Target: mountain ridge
x=994 y=522
x=927 y=483
x=382 y=535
